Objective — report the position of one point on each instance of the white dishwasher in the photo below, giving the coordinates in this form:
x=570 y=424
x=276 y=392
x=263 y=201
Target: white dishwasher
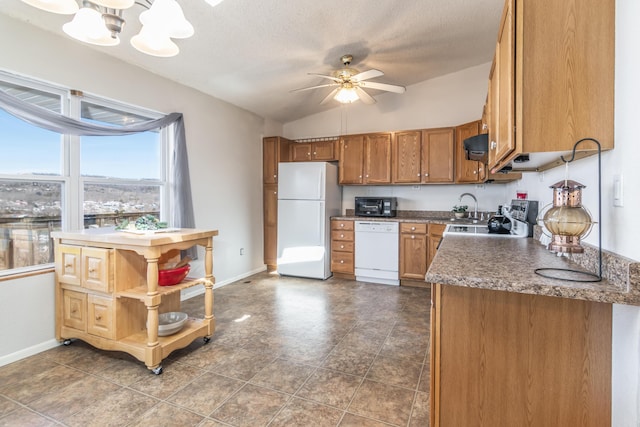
x=376 y=252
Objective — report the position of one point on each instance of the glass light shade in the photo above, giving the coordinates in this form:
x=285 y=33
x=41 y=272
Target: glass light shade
x=115 y=4
x=168 y=15
x=154 y=43
x=567 y=221
x=88 y=26
x=64 y=7
x=213 y=3
x=346 y=95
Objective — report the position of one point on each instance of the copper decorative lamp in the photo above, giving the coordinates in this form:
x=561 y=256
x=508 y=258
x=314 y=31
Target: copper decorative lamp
x=568 y=221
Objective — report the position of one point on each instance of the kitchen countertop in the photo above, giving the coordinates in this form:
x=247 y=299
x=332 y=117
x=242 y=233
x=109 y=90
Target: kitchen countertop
x=509 y=264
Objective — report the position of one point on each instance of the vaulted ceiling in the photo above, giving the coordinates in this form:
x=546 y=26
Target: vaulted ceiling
x=252 y=53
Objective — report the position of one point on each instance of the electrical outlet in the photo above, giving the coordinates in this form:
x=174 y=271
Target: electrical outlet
x=618 y=193
x=241 y=251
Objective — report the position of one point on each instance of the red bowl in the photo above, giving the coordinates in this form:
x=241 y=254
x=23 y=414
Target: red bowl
x=173 y=276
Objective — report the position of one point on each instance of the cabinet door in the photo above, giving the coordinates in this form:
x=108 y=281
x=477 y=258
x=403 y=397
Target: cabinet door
x=74 y=310
x=100 y=316
x=350 y=166
x=503 y=85
x=96 y=271
x=270 y=215
x=467 y=170
x=437 y=155
x=324 y=151
x=377 y=159
x=68 y=264
x=413 y=256
x=300 y=152
x=270 y=160
x=406 y=157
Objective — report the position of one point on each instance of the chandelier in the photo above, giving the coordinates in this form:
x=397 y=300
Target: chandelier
x=100 y=22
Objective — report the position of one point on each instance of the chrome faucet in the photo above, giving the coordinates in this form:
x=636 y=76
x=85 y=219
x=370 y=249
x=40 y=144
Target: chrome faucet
x=475 y=209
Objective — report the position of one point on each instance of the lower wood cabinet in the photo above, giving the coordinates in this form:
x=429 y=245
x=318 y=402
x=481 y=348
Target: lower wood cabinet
x=508 y=359
x=342 y=247
x=270 y=226
x=413 y=251
x=435 y=236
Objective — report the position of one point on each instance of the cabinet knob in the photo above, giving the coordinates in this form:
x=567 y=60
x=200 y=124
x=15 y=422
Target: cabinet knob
x=342 y=235
x=275 y=176
x=92 y=270
x=275 y=192
x=413 y=237
x=314 y=153
x=426 y=174
x=418 y=174
x=494 y=145
x=359 y=176
x=68 y=265
x=341 y=246
x=475 y=172
x=342 y=224
x=98 y=317
x=341 y=261
x=413 y=228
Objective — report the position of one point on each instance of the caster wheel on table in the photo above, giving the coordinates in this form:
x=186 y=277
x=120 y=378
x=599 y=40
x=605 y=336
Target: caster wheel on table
x=66 y=342
x=157 y=371
x=206 y=340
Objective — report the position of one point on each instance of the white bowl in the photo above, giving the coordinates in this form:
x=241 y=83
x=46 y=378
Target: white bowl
x=170 y=323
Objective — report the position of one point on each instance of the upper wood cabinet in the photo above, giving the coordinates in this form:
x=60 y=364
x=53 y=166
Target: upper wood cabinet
x=406 y=151
x=275 y=149
x=552 y=82
x=324 y=151
x=468 y=171
x=437 y=155
x=365 y=159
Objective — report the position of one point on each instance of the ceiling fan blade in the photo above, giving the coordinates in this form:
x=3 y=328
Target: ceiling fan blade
x=383 y=86
x=365 y=75
x=365 y=97
x=313 y=87
x=330 y=96
x=324 y=76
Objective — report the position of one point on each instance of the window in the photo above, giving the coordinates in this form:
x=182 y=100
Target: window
x=51 y=182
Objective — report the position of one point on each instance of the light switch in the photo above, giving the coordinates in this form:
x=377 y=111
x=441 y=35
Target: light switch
x=618 y=192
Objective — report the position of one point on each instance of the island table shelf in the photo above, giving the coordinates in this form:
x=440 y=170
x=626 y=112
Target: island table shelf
x=107 y=291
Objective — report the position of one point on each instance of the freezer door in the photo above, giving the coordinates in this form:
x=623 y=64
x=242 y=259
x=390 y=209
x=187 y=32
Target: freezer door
x=302 y=239
x=302 y=180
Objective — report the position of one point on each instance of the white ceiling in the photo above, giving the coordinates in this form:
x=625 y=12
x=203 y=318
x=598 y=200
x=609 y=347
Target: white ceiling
x=252 y=53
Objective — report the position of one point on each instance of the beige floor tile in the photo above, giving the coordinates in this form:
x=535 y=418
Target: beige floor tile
x=165 y=415
x=7 y=406
x=383 y=402
x=394 y=372
x=74 y=398
x=424 y=384
x=406 y=350
x=174 y=377
x=349 y=361
x=302 y=413
x=420 y=412
x=330 y=387
x=23 y=417
x=204 y=394
x=283 y=375
x=239 y=363
x=251 y=406
x=33 y=385
x=350 y=420
x=119 y=408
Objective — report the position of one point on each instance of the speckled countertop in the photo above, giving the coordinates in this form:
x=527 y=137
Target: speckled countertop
x=508 y=265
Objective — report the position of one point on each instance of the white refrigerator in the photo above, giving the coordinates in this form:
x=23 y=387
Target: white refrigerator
x=308 y=196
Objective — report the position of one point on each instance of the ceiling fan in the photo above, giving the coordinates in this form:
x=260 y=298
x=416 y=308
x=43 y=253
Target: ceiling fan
x=348 y=84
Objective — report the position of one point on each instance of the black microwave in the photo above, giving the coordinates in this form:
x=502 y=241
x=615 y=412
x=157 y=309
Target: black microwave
x=376 y=206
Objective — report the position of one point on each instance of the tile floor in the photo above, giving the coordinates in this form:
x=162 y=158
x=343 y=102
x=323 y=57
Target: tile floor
x=286 y=352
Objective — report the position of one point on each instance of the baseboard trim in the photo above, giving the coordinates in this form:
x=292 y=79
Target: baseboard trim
x=29 y=351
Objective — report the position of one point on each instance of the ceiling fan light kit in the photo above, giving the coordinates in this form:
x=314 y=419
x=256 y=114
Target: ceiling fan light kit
x=100 y=22
x=348 y=84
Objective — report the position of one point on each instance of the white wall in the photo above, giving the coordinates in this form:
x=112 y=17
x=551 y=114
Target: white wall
x=225 y=154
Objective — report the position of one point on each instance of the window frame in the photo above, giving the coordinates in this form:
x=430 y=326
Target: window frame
x=73 y=183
